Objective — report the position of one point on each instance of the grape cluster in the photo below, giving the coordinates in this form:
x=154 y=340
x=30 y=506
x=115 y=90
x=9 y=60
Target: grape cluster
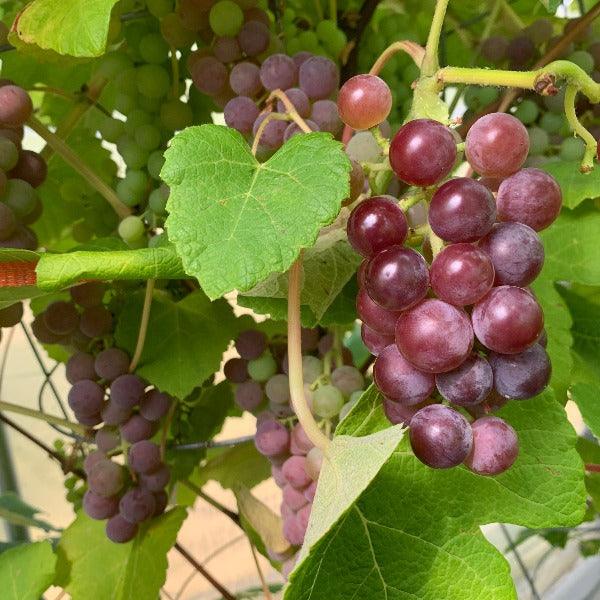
x=262 y=387
x=21 y=171
x=467 y=324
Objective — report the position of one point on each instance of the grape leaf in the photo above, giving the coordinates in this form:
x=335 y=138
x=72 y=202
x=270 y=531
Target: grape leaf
x=57 y=26
x=587 y=398
x=27 y=571
x=185 y=339
x=17 y=512
x=227 y=209
x=134 y=570
x=413 y=526
x=56 y=271
x=575 y=186
x=327 y=268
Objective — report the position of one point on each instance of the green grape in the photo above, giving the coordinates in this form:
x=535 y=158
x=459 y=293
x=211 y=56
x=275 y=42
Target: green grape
x=159 y=8
x=132 y=187
x=148 y=137
x=134 y=156
x=325 y=29
x=556 y=103
x=582 y=59
x=226 y=18
x=111 y=129
x=136 y=118
x=176 y=115
x=327 y=401
x=262 y=368
x=131 y=229
x=527 y=112
x=112 y=64
x=153 y=81
x=309 y=41
x=81 y=232
x=125 y=103
x=150 y=105
x=157 y=201
x=289 y=14
x=153 y=48
x=312 y=368
x=20 y=196
x=155 y=163
x=125 y=82
x=572 y=148
x=9 y=154
x=336 y=43
x=293 y=45
x=551 y=122
x=539 y=140
x=478 y=97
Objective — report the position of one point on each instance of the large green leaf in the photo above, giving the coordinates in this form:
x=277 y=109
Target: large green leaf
x=185 y=339
x=75 y=28
x=414 y=531
x=91 y=566
x=587 y=398
x=235 y=220
x=27 y=571
x=575 y=186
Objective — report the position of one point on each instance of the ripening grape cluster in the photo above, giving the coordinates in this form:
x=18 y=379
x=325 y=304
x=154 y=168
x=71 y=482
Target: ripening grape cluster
x=260 y=377
x=21 y=171
x=466 y=328
x=106 y=396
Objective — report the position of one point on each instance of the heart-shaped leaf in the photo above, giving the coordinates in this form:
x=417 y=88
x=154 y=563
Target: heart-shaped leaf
x=235 y=220
x=27 y=571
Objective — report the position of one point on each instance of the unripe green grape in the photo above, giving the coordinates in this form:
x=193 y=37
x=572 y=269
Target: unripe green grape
x=157 y=201
x=150 y=105
x=572 y=148
x=294 y=46
x=226 y=18
x=312 y=368
x=148 y=137
x=20 y=196
x=327 y=401
x=308 y=41
x=539 y=140
x=159 y=8
x=556 y=103
x=153 y=81
x=153 y=48
x=9 y=154
x=551 y=122
x=111 y=129
x=128 y=194
x=136 y=118
x=112 y=64
x=582 y=59
x=134 y=156
x=125 y=82
x=262 y=368
x=176 y=115
x=478 y=97
x=527 y=112
x=131 y=229
x=155 y=163
x=125 y=103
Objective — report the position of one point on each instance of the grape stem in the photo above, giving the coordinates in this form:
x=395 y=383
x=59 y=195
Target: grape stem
x=592 y=468
x=215 y=444
x=416 y=52
x=587 y=162
x=261 y=576
x=141 y=339
x=261 y=128
x=36 y=414
x=290 y=109
x=333 y=11
x=210 y=500
x=70 y=157
x=314 y=434
x=430 y=63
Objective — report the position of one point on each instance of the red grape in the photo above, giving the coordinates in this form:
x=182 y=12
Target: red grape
x=364 y=101
x=373 y=340
x=383 y=321
x=15 y=106
x=469 y=384
x=495 y=446
x=119 y=530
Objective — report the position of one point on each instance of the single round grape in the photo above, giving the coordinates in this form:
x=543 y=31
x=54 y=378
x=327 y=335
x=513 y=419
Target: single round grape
x=174 y=31
x=157 y=201
x=127 y=391
x=241 y=113
x=399 y=380
x=497 y=145
x=107 y=439
x=236 y=370
x=272 y=134
x=244 y=79
x=363 y=147
x=96 y=321
x=347 y=379
x=249 y=395
x=137 y=505
x=114 y=415
x=495 y=446
x=278 y=71
x=176 y=115
x=86 y=397
x=521 y=376
x=209 y=75
x=508 y=320
x=516 y=251
x=157 y=480
x=540 y=31
x=462 y=210
x=364 y=101
x=153 y=81
x=155 y=405
x=277 y=389
x=434 y=336
x=106 y=478
x=469 y=384
x=11 y=315
x=314 y=463
x=572 y=149
x=583 y=60
x=119 y=530
x=312 y=368
x=494 y=48
x=136 y=429
x=20 y=197
x=319 y=77
x=153 y=48
x=9 y=154
x=262 y=368
x=551 y=122
x=530 y=196
x=539 y=141
x=15 y=106
x=88 y=420
x=80 y=366
x=226 y=18
x=294 y=471
x=148 y=137
x=461 y=274
x=440 y=437
x=8 y=222
x=373 y=340
x=423 y=152
x=144 y=457
x=520 y=51
x=251 y=343
x=134 y=156
x=397 y=278
x=293 y=498
x=88 y=294
x=272 y=438
x=98 y=507
x=326 y=115
x=293 y=530
x=375 y=224
x=132 y=229
x=527 y=112
x=327 y=401
x=254 y=38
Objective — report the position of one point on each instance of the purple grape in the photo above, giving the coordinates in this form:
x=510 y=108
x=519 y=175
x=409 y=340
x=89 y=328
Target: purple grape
x=521 y=376
x=516 y=251
x=461 y=274
x=400 y=414
x=495 y=446
x=326 y=115
x=278 y=72
x=294 y=129
x=155 y=405
x=347 y=379
x=210 y=75
x=127 y=391
x=494 y=49
x=397 y=278
x=508 y=320
x=61 y=317
x=520 y=51
x=319 y=77
x=293 y=498
x=423 y=152
x=15 y=106
x=96 y=321
x=88 y=420
x=144 y=457
x=440 y=437
x=31 y=167
x=137 y=429
x=294 y=471
x=272 y=438
x=162 y=500
x=114 y=415
x=272 y=134
x=80 y=366
x=299 y=443
x=137 y=505
x=251 y=343
x=530 y=196
x=92 y=459
x=381 y=320
x=364 y=101
x=111 y=363
x=469 y=384
x=119 y=530
x=400 y=381
x=106 y=478
x=107 y=439
x=293 y=530
x=86 y=397
x=374 y=341
x=236 y=370
x=245 y=79
x=497 y=145
x=42 y=333
x=462 y=210
x=227 y=49
x=249 y=395
x=11 y=315
x=434 y=336
x=88 y=294
x=98 y=507
x=376 y=224
x=240 y=113
x=254 y=38
x=157 y=480
x=298 y=99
